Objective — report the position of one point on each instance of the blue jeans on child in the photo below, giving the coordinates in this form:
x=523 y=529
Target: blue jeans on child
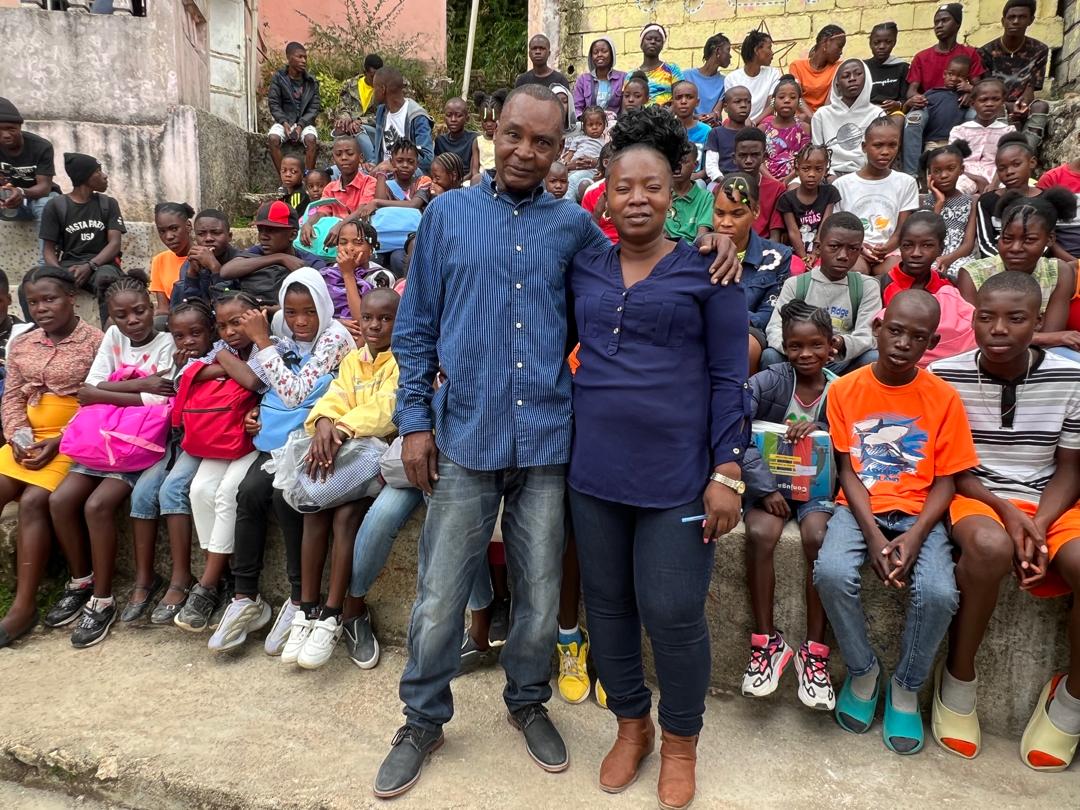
x=160 y=490
x=460 y=520
x=375 y=539
x=646 y=568
x=933 y=601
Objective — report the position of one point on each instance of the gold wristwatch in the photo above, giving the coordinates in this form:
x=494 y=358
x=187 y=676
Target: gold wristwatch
x=738 y=486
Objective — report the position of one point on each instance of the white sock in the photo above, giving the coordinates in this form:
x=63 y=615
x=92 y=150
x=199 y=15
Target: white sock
x=81 y=582
x=863 y=685
x=904 y=700
x=572 y=631
x=1064 y=710
x=100 y=602
x=958 y=695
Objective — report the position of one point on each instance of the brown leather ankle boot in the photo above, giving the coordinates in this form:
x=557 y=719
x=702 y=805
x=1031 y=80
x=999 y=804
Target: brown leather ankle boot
x=635 y=741
x=678 y=759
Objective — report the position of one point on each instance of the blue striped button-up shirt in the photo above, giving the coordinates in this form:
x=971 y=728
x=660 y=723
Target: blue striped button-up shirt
x=486 y=302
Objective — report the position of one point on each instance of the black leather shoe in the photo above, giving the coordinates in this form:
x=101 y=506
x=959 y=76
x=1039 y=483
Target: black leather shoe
x=68 y=606
x=542 y=740
x=401 y=768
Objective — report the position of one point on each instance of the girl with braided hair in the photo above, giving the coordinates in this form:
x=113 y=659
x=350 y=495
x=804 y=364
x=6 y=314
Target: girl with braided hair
x=130 y=344
x=1023 y=244
x=791 y=394
x=810 y=203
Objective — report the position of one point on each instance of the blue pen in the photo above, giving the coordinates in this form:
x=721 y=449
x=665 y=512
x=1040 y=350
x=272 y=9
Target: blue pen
x=694 y=518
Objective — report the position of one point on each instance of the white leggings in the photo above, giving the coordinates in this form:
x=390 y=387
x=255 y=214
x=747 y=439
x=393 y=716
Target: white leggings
x=213 y=501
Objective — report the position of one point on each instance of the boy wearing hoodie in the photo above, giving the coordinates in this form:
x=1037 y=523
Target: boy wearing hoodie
x=846 y=116
x=851 y=299
x=400 y=117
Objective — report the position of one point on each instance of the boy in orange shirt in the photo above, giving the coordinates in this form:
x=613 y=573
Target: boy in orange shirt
x=900 y=435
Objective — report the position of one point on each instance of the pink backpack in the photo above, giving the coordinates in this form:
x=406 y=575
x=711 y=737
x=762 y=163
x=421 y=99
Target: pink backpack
x=118 y=438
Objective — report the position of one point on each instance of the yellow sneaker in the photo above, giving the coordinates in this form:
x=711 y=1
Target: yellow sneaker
x=574 y=683
x=601 y=695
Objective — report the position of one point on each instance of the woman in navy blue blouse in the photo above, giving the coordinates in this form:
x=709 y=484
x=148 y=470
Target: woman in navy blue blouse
x=660 y=405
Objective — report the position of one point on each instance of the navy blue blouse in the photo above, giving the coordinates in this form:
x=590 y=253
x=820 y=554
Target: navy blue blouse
x=660 y=397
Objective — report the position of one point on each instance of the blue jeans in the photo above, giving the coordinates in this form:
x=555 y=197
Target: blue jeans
x=382 y=522
x=460 y=520
x=933 y=601
x=771 y=357
x=645 y=567
x=166 y=492
x=30 y=211
x=914 y=124
x=365 y=139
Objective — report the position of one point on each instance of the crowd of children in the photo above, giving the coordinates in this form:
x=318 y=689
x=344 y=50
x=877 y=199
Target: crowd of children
x=915 y=302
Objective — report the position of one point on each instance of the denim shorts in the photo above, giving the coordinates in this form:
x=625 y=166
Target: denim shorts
x=128 y=478
x=801 y=508
x=165 y=488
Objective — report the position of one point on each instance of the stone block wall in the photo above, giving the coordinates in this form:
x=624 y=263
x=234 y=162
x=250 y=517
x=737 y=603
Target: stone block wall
x=1067 y=65
x=791 y=22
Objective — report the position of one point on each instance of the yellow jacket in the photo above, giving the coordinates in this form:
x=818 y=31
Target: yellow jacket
x=361 y=398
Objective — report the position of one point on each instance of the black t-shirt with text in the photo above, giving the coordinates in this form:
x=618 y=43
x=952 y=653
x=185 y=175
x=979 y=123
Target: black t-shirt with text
x=889 y=82
x=530 y=77
x=21 y=168
x=80 y=231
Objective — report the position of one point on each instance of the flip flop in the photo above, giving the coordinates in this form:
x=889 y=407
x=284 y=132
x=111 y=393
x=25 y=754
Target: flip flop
x=898 y=724
x=957 y=733
x=852 y=712
x=6 y=638
x=1045 y=747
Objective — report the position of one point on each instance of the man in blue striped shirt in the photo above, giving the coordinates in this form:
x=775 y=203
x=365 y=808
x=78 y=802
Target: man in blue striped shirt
x=486 y=303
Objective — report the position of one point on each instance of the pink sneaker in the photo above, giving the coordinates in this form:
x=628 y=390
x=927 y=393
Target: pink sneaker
x=768 y=658
x=815 y=686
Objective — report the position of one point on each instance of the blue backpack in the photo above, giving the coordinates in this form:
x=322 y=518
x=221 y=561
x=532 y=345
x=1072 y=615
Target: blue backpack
x=278 y=421
x=393 y=225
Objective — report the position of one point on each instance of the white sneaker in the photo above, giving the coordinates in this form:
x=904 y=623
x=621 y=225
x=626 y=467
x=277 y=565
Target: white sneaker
x=298 y=632
x=279 y=633
x=320 y=642
x=241 y=617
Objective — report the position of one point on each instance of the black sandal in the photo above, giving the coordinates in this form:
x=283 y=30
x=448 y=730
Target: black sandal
x=6 y=639
x=165 y=613
x=134 y=611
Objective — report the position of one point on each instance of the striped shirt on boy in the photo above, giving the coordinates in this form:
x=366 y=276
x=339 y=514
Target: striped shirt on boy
x=1018 y=424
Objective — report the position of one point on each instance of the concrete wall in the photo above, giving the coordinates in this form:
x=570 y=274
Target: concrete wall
x=691 y=22
x=281 y=21
x=118 y=70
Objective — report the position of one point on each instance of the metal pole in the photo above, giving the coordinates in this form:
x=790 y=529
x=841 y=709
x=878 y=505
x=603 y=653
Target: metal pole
x=469 y=49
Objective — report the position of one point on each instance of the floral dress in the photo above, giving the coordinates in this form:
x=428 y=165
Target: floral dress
x=782 y=145
x=956 y=211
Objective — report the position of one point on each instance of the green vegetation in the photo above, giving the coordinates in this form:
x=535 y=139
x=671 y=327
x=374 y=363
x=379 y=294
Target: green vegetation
x=499 y=54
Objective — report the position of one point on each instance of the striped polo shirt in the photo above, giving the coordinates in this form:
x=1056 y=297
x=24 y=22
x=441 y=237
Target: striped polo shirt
x=1018 y=424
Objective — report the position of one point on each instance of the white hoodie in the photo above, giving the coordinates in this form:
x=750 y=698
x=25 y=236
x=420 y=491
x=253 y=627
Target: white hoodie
x=322 y=356
x=827 y=122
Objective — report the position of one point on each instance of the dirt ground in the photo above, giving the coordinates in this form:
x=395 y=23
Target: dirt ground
x=151 y=719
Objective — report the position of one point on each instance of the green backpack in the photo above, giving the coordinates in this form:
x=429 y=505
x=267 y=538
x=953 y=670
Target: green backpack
x=854 y=288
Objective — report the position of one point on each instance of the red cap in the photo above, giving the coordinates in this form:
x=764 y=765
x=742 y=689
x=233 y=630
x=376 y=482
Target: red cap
x=276 y=214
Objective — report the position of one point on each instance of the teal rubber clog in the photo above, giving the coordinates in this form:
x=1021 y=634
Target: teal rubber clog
x=899 y=725
x=852 y=712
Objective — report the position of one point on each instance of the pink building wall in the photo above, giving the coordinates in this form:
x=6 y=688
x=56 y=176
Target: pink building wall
x=280 y=22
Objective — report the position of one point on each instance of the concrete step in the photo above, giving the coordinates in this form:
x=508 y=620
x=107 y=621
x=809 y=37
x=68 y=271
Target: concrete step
x=150 y=719
x=1026 y=641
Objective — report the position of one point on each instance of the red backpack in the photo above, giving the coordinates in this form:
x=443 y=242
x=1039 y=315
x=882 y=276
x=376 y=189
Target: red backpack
x=212 y=415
